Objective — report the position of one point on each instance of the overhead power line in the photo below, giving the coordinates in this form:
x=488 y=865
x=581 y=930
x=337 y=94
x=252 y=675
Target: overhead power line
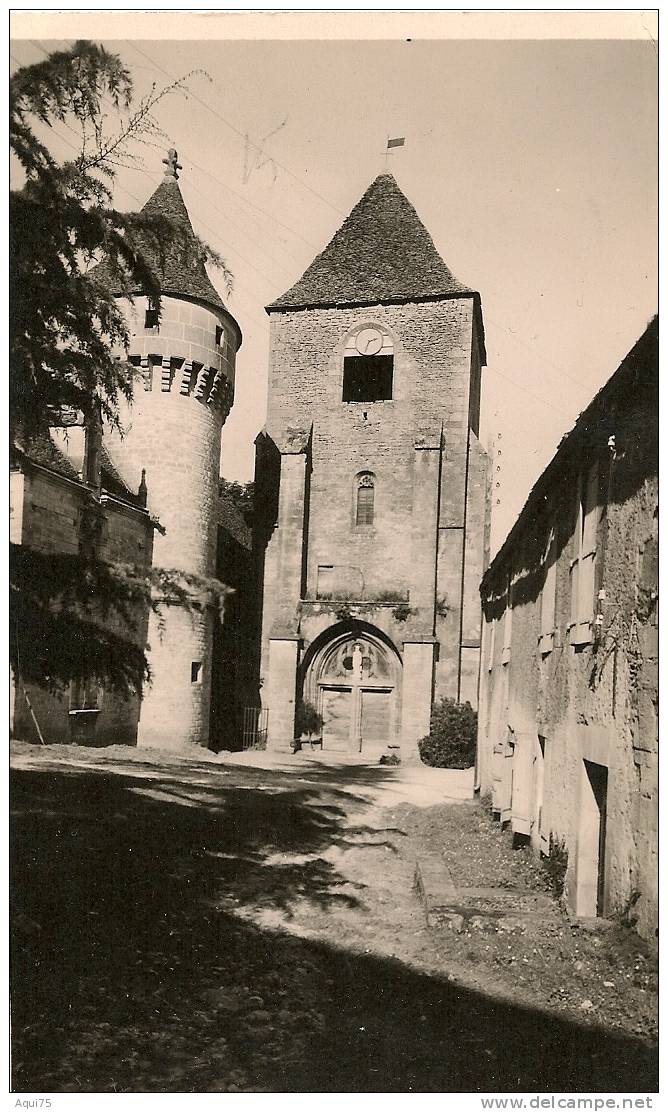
x=241 y=134
x=133 y=196
x=517 y=385
x=228 y=248
x=529 y=393
x=251 y=204
x=245 y=234
x=544 y=358
x=184 y=154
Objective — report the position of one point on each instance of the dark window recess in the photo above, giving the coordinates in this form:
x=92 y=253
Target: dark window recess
x=151 y=318
x=219 y=336
x=84 y=695
x=195 y=671
x=367 y=378
x=364 y=506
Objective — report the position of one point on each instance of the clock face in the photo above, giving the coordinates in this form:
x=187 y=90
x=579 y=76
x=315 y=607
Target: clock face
x=369 y=341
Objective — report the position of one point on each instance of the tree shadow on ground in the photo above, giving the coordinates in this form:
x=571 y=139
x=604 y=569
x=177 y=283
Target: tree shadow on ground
x=132 y=970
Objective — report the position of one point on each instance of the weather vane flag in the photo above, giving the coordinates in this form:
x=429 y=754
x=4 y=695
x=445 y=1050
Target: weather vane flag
x=391 y=143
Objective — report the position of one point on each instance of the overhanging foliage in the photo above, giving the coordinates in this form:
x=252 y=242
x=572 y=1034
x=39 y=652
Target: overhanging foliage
x=76 y=619
x=74 y=616
x=66 y=326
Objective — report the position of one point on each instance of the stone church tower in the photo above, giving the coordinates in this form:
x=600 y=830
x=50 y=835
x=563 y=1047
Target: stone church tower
x=172 y=445
x=373 y=485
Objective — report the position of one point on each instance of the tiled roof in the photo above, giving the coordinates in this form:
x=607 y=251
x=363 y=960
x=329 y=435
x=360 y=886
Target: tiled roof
x=42 y=451
x=113 y=482
x=233 y=522
x=639 y=370
x=382 y=252
x=180 y=266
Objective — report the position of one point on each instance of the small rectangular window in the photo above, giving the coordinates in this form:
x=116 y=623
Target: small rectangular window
x=195 y=671
x=151 y=319
x=219 y=336
x=85 y=695
x=367 y=378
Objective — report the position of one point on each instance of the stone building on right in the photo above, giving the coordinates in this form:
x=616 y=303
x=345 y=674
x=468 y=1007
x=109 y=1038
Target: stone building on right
x=568 y=726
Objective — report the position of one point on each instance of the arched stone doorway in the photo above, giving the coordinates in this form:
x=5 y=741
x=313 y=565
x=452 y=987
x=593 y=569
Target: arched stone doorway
x=353 y=677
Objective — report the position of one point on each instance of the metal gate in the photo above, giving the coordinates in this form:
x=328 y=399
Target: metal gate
x=255 y=727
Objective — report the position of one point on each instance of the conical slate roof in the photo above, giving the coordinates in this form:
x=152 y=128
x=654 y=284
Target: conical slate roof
x=180 y=265
x=382 y=252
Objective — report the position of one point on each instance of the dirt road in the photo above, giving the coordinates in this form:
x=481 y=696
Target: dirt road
x=208 y=927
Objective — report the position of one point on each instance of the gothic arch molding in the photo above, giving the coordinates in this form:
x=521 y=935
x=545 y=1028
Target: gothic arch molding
x=352 y=673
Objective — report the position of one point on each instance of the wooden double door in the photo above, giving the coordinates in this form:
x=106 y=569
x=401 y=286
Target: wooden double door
x=356 y=718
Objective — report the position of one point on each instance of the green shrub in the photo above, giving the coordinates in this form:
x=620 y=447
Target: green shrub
x=307 y=720
x=452 y=737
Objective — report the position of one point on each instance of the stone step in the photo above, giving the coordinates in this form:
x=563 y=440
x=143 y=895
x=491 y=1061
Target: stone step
x=512 y=910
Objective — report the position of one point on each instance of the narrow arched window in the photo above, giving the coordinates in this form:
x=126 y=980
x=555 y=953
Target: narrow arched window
x=365 y=498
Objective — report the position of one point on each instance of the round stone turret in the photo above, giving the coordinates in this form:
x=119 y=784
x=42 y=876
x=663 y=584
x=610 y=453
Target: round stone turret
x=172 y=432
x=183 y=394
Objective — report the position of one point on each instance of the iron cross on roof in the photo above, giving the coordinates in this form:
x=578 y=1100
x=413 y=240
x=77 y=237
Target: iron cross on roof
x=172 y=163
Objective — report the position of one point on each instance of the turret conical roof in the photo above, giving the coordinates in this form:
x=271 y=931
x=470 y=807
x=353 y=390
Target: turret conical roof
x=178 y=265
x=381 y=253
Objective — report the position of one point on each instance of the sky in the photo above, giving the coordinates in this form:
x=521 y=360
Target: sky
x=533 y=164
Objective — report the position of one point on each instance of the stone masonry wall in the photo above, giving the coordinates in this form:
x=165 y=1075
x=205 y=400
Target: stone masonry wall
x=127 y=537
x=176 y=706
x=431 y=373
x=552 y=715
x=51 y=519
x=52 y=508
x=429 y=411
